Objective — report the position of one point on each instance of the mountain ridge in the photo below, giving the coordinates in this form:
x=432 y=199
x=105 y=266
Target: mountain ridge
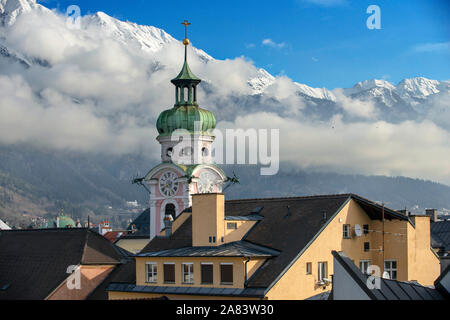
x=152 y=39
x=55 y=179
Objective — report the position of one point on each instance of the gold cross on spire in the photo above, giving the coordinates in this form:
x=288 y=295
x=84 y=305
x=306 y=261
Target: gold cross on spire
x=186 y=24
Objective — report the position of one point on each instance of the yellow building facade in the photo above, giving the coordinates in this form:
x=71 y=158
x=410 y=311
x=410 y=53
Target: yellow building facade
x=356 y=228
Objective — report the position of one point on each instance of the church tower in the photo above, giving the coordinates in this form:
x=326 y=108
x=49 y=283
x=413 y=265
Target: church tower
x=186 y=166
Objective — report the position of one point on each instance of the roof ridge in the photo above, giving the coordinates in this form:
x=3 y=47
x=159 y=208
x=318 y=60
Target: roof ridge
x=342 y=195
x=83 y=253
x=44 y=229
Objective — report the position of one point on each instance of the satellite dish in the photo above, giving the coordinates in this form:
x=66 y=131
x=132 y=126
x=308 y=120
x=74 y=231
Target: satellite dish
x=386 y=275
x=358 y=230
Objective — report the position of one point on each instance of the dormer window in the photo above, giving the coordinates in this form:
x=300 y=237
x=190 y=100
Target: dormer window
x=231 y=225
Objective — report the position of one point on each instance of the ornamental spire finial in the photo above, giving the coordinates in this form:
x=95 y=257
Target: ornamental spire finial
x=186 y=40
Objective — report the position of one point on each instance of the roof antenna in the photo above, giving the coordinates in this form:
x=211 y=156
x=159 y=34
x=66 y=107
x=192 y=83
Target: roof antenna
x=324 y=217
x=288 y=212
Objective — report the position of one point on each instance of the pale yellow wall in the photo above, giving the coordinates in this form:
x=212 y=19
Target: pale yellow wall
x=238 y=271
x=208 y=215
x=253 y=265
x=133 y=245
x=395 y=245
x=296 y=284
x=423 y=263
x=236 y=235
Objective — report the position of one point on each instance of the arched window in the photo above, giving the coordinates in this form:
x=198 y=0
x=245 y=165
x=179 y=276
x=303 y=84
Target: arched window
x=170 y=210
x=186 y=94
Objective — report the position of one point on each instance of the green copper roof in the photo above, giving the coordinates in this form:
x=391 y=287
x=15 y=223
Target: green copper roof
x=186 y=113
x=64 y=222
x=185 y=117
x=186 y=74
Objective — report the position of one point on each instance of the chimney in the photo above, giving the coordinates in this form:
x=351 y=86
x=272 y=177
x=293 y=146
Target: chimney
x=168 y=224
x=433 y=213
x=208 y=219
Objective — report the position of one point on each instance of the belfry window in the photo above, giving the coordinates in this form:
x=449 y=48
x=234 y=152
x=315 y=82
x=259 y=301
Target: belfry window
x=186 y=94
x=170 y=210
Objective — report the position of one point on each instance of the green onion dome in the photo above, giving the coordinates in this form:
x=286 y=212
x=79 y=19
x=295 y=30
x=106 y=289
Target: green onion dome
x=186 y=111
x=185 y=117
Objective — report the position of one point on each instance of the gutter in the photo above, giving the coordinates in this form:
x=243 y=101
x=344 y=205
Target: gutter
x=246 y=280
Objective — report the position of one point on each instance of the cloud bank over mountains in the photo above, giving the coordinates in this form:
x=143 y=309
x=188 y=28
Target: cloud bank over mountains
x=101 y=88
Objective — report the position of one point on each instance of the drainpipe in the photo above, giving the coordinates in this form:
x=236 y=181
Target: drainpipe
x=248 y=260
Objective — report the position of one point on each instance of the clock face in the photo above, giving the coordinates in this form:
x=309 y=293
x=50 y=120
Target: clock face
x=207 y=182
x=168 y=184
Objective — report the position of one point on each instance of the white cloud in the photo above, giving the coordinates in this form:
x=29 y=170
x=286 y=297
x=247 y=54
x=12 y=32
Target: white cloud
x=326 y=3
x=433 y=47
x=354 y=107
x=273 y=44
x=414 y=149
x=101 y=95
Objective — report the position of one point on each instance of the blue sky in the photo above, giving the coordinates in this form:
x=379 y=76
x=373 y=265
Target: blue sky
x=322 y=43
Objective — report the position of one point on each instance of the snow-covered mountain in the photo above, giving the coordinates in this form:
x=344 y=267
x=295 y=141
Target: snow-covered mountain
x=98 y=90
x=411 y=99
x=410 y=95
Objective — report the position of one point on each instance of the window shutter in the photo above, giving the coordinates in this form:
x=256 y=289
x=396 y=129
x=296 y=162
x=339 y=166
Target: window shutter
x=207 y=274
x=226 y=273
x=169 y=273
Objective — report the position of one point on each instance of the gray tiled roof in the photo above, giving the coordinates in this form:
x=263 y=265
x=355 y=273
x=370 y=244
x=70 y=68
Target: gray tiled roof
x=389 y=289
x=34 y=262
x=251 y=217
x=201 y=291
x=440 y=234
x=233 y=249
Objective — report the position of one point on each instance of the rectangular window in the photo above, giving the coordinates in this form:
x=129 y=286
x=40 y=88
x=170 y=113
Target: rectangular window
x=364 y=266
x=188 y=273
x=207 y=273
x=390 y=266
x=308 y=268
x=346 y=231
x=322 y=271
x=366 y=246
x=231 y=225
x=366 y=229
x=169 y=272
x=212 y=239
x=152 y=272
x=226 y=273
